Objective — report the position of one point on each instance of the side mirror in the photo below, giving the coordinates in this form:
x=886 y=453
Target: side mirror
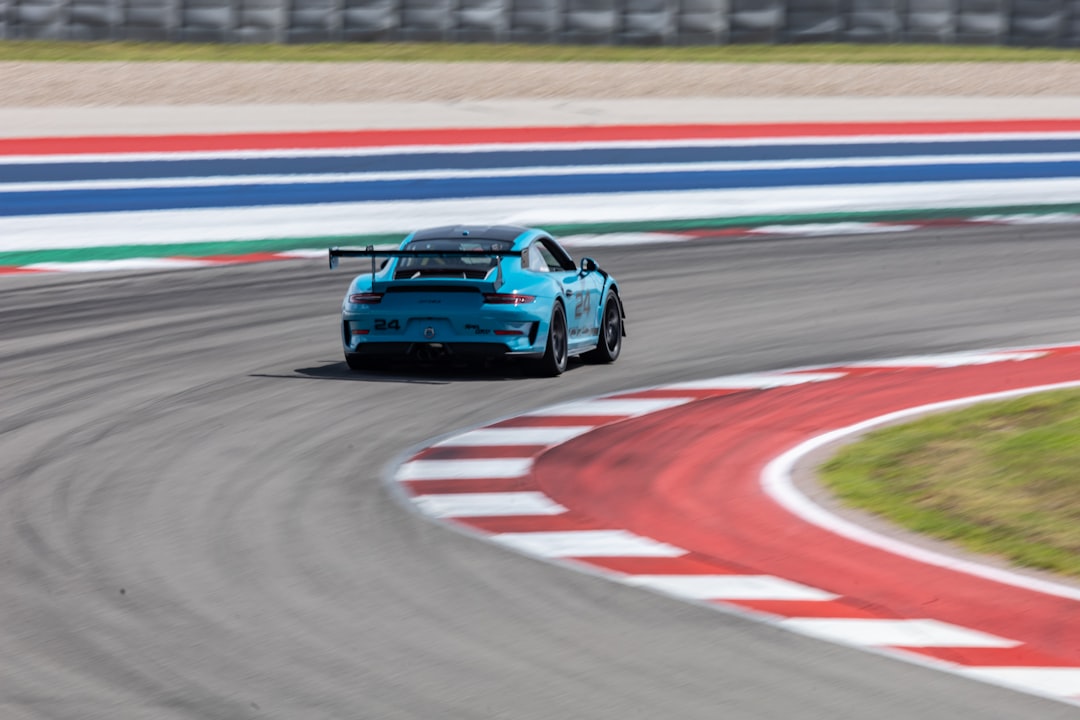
x=588 y=265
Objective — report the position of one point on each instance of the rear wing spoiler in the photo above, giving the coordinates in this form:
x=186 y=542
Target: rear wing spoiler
x=371 y=252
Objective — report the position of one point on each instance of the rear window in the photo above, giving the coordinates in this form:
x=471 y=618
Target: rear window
x=468 y=267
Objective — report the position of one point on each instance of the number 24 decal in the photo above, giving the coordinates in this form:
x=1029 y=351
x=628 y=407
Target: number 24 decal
x=584 y=305
x=381 y=324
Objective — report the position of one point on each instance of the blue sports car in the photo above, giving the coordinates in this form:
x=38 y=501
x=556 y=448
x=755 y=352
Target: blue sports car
x=474 y=291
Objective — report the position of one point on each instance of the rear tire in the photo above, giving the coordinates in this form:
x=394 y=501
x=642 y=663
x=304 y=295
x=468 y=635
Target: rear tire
x=609 y=344
x=556 y=355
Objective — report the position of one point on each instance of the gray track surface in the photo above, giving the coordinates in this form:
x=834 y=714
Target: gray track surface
x=193 y=522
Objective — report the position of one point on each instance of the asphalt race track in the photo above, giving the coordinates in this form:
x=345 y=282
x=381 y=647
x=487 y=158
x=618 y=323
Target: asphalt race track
x=194 y=523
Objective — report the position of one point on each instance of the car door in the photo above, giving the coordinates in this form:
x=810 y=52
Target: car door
x=592 y=286
x=579 y=291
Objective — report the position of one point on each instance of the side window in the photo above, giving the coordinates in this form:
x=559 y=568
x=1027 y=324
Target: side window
x=535 y=259
x=555 y=257
x=547 y=258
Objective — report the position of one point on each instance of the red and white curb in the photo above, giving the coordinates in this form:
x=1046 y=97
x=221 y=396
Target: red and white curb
x=567 y=484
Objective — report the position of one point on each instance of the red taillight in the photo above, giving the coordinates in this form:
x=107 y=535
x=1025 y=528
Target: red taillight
x=360 y=332
x=507 y=299
x=365 y=299
x=509 y=332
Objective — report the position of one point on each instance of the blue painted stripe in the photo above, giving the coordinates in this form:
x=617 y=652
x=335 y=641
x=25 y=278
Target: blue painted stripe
x=81 y=201
x=135 y=170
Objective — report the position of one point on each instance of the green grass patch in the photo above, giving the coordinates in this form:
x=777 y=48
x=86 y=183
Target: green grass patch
x=999 y=478
x=42 y=50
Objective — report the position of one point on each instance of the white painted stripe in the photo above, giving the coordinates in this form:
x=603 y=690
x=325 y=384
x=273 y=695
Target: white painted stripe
x=614 y=407
x=777 y=481
x=119 y=265
x=332 y=178
x=1030 y=219
x=543 y=436
x=286 y=152
x=838 y=228
x=464 y=469
x=41 y=232
x=587 y=543
x=320 y=253
x=528 y=171
x=896 y=633
x=165 y=263
x=729 y=587
x=451 y=505
x=949 y=360
x=757 y=381
x=620 y=239
x=1059 y=681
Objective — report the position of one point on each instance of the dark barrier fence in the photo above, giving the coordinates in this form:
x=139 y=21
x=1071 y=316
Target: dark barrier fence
x=668 y=22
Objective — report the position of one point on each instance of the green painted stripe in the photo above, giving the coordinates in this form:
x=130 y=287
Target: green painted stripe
x=194 y=250
x=245 y=247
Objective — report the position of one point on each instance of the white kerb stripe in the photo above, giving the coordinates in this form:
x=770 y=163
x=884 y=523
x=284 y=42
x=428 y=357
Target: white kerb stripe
x=1057 y=217
x=620 y=239
x=320 y=253
x=729 y=587
x=475 y=468
x=543 y=436
x=756 y=381
x=587 y=543
x=1060 y=681
x=147 y=263
x=950 y=360
x=838 y=228
x=896 y=633
x=456 y=505
x=615 y=407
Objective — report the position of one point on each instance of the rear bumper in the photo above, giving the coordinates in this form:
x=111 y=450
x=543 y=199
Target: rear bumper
x=426 y=350
x=488 y=334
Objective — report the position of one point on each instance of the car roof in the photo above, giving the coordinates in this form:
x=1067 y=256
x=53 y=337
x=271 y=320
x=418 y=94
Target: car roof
x=515 y=234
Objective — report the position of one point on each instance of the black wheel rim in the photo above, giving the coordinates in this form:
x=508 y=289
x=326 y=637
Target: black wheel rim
x=612 y=328
x=558 y=341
